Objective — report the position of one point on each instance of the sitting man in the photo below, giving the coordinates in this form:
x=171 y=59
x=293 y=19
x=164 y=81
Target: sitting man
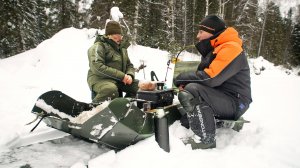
x=111 y=71
x=220 y=87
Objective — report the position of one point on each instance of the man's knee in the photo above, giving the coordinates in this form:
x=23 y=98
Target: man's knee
x=105 y=91
x=194 y=88
x=187 y=100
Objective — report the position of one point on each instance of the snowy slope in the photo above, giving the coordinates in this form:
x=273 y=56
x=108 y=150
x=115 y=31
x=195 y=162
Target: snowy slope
x=270 y=140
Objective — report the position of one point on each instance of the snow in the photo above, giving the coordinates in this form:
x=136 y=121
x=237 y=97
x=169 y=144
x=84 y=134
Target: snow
x=84 y=5
x=49 y=109
x=85 y=115
x=60 y=63
x=115 y=14
x=96 y=130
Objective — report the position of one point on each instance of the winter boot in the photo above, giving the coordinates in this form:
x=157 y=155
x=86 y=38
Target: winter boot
x=201 y=121
x=196 y=143
x=183 y=120
x=235 y=125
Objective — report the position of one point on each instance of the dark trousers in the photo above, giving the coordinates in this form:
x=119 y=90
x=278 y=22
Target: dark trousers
x=210 y=103
x=221 y=105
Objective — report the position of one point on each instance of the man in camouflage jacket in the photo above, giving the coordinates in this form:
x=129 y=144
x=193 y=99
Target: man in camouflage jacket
x=111 y=71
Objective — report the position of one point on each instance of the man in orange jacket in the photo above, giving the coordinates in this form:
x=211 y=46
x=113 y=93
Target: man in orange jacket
x=220 y=87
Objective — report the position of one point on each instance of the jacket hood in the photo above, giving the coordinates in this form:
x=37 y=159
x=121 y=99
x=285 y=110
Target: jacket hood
x=229 y=35
x=99 y=38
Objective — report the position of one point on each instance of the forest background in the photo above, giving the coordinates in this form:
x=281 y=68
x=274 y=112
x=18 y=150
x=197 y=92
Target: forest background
x=267 y=29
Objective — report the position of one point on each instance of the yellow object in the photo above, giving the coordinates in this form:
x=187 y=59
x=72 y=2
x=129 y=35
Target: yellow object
x=174 y=61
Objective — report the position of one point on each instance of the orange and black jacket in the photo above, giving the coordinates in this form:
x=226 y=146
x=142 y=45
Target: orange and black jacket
x=225 y=68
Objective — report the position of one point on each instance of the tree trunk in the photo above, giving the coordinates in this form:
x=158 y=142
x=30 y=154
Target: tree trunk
x=263 y=29
x=135 y=23
x=184 y=23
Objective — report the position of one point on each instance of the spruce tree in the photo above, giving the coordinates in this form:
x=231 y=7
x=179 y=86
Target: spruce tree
x=62 y=14
x=295 y=40
x=42 y=29
x=128 y=9
x=18 y=27
x=286 y=41
x=143 y=23
x=99 y=12
x=272 y=48
x=151 y=24
x=246 y=22
x=213 y=7
x=189 y=24
x=8 y=29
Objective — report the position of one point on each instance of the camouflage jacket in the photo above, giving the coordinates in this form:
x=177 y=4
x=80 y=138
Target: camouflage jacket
x=108 y=61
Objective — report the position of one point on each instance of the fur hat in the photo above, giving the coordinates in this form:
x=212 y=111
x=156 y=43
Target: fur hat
x=212 y=24
x=112 y=27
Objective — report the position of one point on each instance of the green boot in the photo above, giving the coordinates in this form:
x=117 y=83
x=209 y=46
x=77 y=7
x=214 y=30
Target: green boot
x=198 y=144
x=235 y=125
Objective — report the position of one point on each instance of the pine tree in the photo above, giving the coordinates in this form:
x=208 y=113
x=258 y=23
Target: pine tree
x=29 y=25
x=295 y=40
x=213 y=7
x=142 y=23
x=128 y=9
x=287 y=33
x=230 y=13
x=99 y=12
x=62 y=14
x=246 y=22
x=200 y=10
x=18 y=27
x=156 y=35
x=135 y=23
x=151 y=24
x=189 y=24
x=8 y=29
x=42 y=33
x=272 y=48
x=82 y=7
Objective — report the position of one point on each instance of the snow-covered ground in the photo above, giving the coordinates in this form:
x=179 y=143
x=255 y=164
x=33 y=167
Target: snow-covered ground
x=60 y=63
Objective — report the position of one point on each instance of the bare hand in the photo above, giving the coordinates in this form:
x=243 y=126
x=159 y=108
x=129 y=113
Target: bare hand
x=127 y=79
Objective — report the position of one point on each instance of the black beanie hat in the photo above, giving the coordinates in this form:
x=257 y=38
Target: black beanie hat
x=112 y=27
x=212 y=24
